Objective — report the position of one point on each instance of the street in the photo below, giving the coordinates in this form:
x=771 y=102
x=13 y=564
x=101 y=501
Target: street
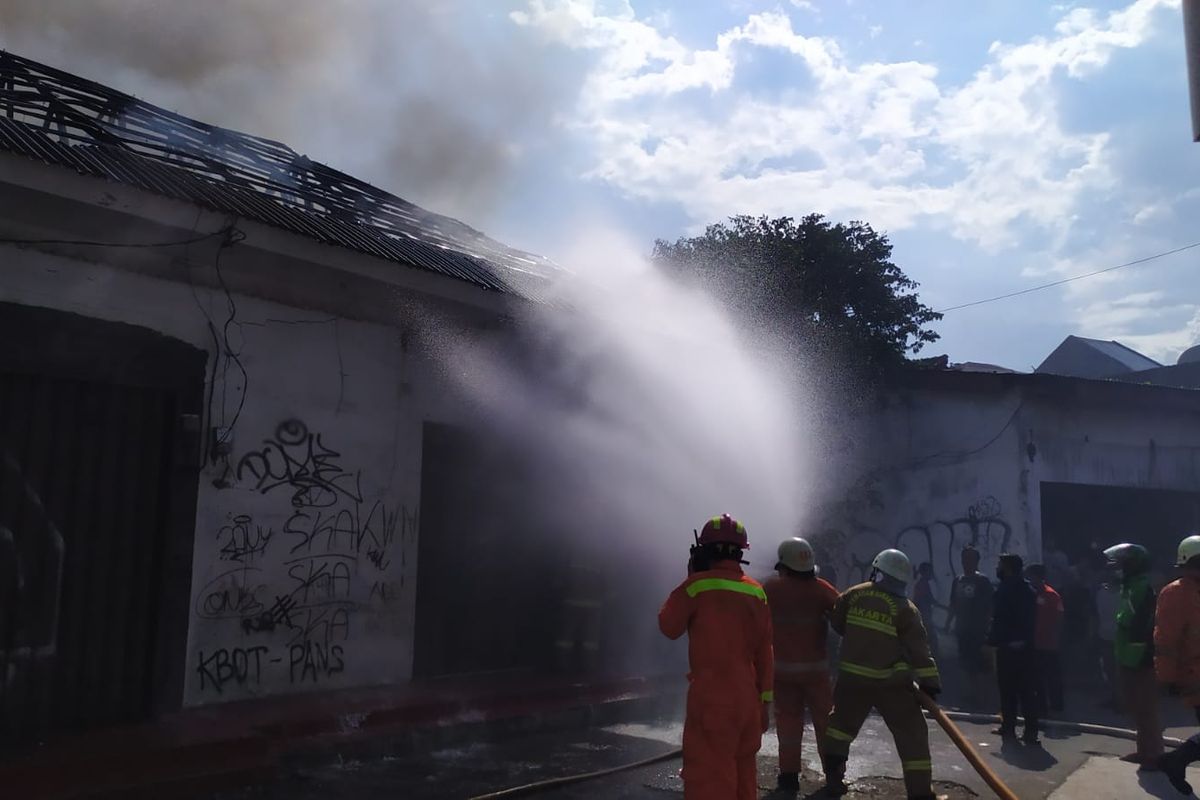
x=1066 y=767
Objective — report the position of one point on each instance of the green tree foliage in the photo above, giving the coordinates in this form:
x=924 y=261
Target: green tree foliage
x=833 y=281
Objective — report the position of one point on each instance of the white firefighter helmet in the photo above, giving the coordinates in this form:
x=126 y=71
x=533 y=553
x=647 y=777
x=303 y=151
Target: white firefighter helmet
x=797 y=555
x=894 y=564
x=1189 y=548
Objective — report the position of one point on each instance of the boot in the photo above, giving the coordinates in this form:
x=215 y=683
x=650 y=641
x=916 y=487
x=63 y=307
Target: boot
x=835 y=775
x=788 y=782
x=1174 y=765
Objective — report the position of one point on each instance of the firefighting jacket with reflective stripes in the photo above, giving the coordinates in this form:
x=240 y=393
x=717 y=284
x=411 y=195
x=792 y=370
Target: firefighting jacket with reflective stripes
x=725 y=616
x=800 y=609
x=883 y=639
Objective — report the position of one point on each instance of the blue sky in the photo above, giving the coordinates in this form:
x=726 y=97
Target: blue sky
x=999 y=143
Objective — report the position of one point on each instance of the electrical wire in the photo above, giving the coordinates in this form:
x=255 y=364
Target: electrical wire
x=233 y=236
x=1062 y=281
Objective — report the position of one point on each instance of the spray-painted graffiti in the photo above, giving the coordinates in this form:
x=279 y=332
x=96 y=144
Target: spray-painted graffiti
x=298 y=460
x=242 y=540
x=852 y=544
x=330 y=568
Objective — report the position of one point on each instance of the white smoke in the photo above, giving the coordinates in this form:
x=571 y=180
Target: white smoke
x=656 y=411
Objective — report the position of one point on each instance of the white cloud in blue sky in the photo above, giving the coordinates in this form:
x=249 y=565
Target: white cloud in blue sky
x=999 y=144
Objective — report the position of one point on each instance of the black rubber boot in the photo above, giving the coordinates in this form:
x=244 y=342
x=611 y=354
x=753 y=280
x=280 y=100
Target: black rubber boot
x=835 y=776
x=1174 y=765
x=788 y=782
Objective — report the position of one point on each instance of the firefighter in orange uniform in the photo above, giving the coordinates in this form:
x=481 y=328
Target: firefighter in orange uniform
x=800 y=605
x=884 y=649
x=1177 y=653
x=725 y=616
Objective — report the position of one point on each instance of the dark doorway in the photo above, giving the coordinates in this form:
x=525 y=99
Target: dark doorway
x=486 y=588
x=1082 y=517
x=98 y=475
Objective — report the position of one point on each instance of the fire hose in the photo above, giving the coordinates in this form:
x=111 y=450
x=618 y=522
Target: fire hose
x=945 y=719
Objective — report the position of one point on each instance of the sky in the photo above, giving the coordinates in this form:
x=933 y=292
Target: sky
x=1000 y=144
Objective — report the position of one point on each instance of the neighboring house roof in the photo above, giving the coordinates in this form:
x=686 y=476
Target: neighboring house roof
x=1078 y=357
x=1180 y=376
x=58 y=118
x=980 y=366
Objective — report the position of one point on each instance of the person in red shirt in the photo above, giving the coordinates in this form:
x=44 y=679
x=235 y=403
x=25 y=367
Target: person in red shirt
x=800 y=605
x=732 y=668
x=1047 y=636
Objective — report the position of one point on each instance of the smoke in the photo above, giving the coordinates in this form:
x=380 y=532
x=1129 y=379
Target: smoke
x=438 y=102
x=649 y=411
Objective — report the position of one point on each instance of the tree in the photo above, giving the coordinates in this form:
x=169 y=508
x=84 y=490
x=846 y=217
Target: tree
x=835 y=281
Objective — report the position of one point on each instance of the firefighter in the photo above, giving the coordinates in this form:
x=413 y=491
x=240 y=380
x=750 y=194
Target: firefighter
x=731 y=667
x=884 y=649
x=800 y=605
x=1135 y=650
x=1177 y=652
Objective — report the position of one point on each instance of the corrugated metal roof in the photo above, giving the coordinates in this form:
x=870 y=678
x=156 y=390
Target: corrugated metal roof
x=1127 y=356
x=62 y=119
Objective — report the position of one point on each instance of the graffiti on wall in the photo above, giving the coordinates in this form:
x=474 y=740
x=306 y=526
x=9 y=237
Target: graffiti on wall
x=850 y=544
x=296 y=596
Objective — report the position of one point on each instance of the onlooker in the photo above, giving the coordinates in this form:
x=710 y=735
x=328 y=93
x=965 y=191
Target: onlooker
x=923 y=599
x=1047 y=637
x=1135 y=651
x=969 y=617
x=1012 y=632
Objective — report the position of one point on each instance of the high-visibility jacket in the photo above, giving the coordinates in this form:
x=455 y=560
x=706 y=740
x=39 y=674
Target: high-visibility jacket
x=800 y=609
x=1177 y=637
x=883 y=639
x=725 y=615
x=1135 y=623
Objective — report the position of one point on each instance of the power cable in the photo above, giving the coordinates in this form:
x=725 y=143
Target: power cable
x=1060 y=282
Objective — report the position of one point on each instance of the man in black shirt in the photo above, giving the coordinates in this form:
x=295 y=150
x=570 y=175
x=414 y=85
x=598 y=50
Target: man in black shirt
x=969 y=617
x=1012 y=632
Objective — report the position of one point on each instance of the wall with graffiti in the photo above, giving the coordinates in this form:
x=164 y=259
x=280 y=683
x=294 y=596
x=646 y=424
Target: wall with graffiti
x=305 y=555
x=928 y=474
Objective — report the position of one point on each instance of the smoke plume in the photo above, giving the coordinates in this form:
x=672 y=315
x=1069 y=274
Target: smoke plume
x=424 y=99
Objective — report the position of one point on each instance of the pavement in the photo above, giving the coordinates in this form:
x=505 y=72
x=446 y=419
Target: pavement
x=1082 y=766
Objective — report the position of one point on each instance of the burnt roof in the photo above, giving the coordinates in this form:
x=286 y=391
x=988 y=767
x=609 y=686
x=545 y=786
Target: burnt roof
x=58 y=118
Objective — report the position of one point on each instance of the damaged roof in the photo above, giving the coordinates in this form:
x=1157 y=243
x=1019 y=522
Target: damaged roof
x=59 y=118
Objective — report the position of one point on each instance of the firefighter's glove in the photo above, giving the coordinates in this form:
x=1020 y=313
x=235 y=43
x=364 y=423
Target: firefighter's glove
x=931 y=691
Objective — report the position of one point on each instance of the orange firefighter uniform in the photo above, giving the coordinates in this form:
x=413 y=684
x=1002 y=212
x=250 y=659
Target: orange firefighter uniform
x=1177 y=637
x=725 y=616
x=884 y=649
x=800 y=610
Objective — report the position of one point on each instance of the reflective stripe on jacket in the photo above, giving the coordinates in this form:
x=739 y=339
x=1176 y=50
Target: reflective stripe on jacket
x=883 y=638
x=728 y=624
x=1177 y=637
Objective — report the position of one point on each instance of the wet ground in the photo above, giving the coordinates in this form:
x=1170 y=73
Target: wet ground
x=476 y=769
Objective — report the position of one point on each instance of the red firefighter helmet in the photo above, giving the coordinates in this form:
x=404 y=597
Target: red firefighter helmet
x=725 y=529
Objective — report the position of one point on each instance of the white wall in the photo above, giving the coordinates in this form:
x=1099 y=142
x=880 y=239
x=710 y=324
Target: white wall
x=937 y=469
x=305 y=544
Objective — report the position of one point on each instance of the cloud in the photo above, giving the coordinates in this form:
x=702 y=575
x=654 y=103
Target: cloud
x=896 y=144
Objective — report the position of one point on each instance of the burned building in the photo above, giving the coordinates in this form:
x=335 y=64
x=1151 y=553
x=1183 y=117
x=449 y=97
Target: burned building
x=221 y=427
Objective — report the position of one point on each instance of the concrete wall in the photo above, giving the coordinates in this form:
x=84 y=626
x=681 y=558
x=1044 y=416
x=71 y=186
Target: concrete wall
x=306 y=530
x=963 y=462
